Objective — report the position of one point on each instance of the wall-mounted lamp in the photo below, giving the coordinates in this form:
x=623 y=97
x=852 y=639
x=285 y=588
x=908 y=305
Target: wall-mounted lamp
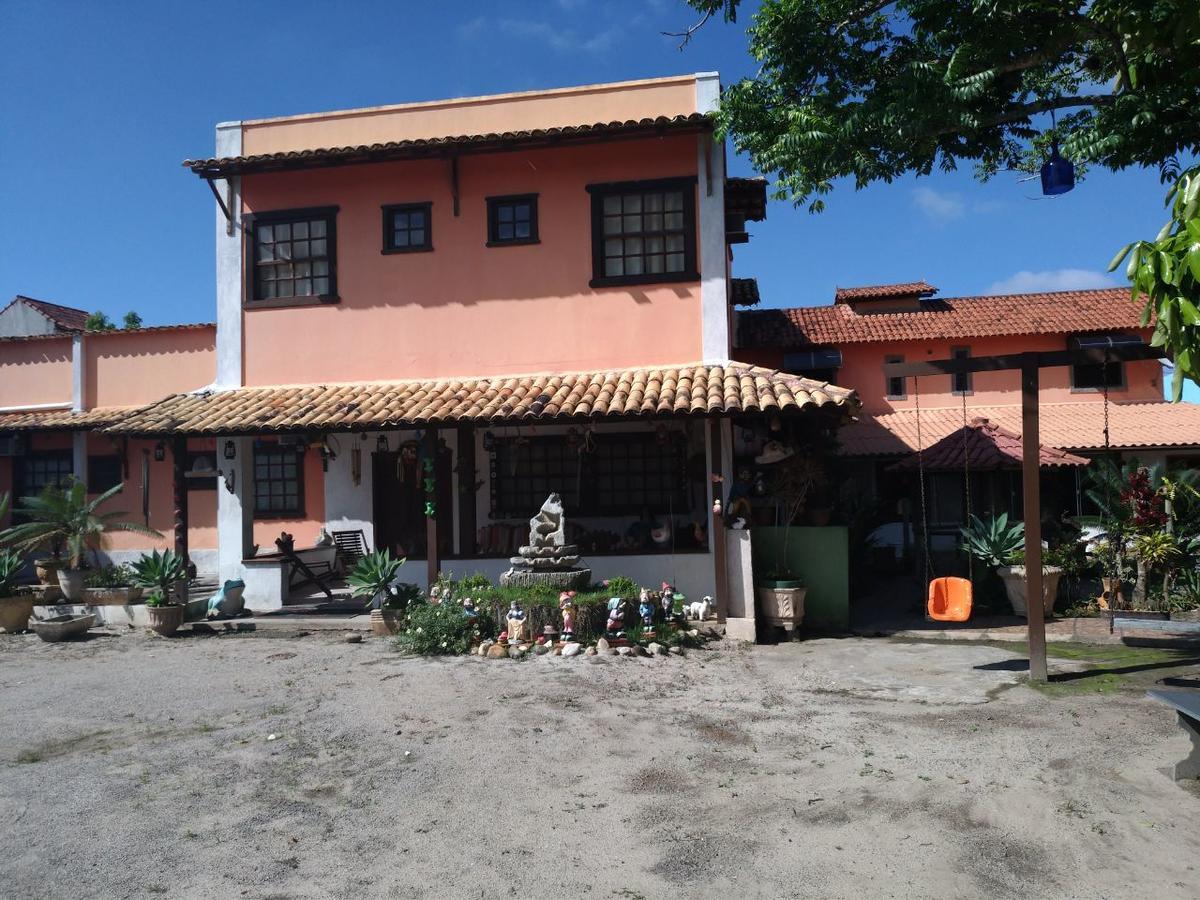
x=230 y=450
x=230 y=481
x=381 y=444
x=160 y=451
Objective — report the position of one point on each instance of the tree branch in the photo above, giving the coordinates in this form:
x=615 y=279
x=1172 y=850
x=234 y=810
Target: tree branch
x=687 y=34
x=1025 y=110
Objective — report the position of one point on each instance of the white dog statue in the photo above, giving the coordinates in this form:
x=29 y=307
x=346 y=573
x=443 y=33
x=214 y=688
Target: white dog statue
x=699 y=609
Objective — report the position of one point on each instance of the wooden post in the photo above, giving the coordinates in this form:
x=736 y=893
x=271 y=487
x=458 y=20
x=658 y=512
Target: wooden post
x=179 y=496
x=716 y=533
x=429 y=459
x=1032 y=486
x=466 y=490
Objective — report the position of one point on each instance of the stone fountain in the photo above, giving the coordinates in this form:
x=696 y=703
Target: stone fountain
x=548 y=559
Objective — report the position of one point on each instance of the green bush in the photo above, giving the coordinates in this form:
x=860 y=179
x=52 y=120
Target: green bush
x=110 y=577
x=623 y=587
x=541 y=609
x=438 y=629
x=472 y=585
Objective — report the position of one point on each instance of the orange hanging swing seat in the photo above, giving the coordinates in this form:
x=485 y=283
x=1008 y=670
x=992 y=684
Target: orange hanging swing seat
x=949 y=600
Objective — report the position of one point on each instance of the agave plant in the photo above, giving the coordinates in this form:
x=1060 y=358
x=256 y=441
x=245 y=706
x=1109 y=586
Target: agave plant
x=159 y=573
x=10 y=567
x=995 y=542
x=64 y=516
x=374 y=576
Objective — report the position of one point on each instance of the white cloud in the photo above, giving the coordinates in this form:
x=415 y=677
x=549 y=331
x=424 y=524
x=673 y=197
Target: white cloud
x=938 y=206
x=561 y=40
x=472 y=28
x=1026 y=282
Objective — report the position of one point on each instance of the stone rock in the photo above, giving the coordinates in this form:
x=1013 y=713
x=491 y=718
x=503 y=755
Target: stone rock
x=675 y=650
x=524 y=648
x=497 y=651
x=572 y=649
x=352 y=637
x=485 y=646
x=693 y=632
x=602 y=645
x=657 y=649
x=611 y=651
x=515 y=653
x=590 y=651
x=624 y=651
x=639 y=650
x=541 y=649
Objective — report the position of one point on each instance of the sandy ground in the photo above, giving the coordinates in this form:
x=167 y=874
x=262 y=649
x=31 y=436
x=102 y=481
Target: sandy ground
x=134 y=766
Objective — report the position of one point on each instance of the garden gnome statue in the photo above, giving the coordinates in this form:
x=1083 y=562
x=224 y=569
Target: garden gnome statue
x=616 y=616
x=516 y=623
x=469 y=609
x=566 y=605
x=669 y=596
x=647 y=607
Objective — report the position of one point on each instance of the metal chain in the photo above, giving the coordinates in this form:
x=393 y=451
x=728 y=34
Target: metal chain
x=921 y=480
x=967 y=479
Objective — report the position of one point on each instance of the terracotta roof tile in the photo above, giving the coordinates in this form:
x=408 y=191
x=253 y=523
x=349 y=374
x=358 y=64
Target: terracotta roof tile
x=746 y=198
x=983 y=446
x=884 y=291
x=1072 y=426
x=702 y=388
x=744 y=291
x=65 y=318
x=1063 y=312
x=436 y=146
x=60 y=419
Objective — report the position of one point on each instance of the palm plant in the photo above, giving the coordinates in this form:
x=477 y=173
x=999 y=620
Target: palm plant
x=159 y=573
x=63 y=516
x=10 y=567
x=994 y=543
x=374 y=576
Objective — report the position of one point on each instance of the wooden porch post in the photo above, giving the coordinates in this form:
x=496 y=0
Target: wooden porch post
x=716 y=534
x=466 y=490
x=179 y=495
x=429 y=460
x=1031 y=480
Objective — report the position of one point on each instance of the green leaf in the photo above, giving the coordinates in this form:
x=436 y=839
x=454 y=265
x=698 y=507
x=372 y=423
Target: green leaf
x=1121 y=254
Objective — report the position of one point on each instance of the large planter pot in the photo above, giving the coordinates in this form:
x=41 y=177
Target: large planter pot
x=47 y=569
x=781 y=603
x=72 y=583
x=386 y=622
x=1112 y=595
x=165 y=620
x=112 y=596
x=1014 y=585
x=15 y=613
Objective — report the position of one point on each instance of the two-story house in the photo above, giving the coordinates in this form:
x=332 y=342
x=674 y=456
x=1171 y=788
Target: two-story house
x=850 y=340
x=432 y=315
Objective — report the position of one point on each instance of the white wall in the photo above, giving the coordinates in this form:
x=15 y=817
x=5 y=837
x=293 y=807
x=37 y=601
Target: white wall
x=22 y=320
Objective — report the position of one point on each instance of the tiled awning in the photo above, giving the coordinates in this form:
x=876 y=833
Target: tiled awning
x=983 y=446
x=60 y=419
x=690 y=390
x=1071 y=426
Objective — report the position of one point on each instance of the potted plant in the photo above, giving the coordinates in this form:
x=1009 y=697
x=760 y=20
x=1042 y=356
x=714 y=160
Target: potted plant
x=111 y=586
x=15 y=609
x=781 y=600
x=374 y=578
x=161 y=574
x=999 y=546
x=63 y=516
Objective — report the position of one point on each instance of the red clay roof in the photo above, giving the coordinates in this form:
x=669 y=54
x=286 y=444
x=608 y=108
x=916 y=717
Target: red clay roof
x=743 y=291
x=61 y=419
x=983 y=446
x=1073 y=426
x=65 y=318
x=149 y=329
x=1061 y=312
x=884 y=291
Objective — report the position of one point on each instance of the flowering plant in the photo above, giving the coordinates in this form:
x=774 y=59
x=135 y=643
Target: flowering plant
x=438 y=629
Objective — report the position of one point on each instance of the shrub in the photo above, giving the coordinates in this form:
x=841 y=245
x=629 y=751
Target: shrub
x=624 y=587
x=473 y=584
x=159 y=572
x=110 y=577
x=438 y=629
x=541 y=609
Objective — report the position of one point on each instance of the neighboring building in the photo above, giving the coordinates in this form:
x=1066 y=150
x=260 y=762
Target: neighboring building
x=25 y=317
x=432 y=315
x=850 y=340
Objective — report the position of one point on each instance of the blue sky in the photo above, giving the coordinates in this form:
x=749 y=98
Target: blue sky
x=102 y=101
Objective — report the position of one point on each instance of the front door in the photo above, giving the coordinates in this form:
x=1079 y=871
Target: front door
x=399 y=500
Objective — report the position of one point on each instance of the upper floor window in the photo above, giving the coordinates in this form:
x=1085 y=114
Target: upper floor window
x=644 y=232
x=960 y=382
x=1095 y=376
x=408 y=228
x=294 y=256
x=895 y=383
x=512 y=220
x=278 y=482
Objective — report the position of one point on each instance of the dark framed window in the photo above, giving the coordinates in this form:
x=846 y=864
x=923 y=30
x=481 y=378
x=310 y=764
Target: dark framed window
x=512 y=220
x=201 y=474
x=1092 y=376
x=408 y=228
x=104 y=473
x=644 y=232
x=293 y=257
x=625 y=474
x=895 y=384
x=278 y=482
x=960 y=382
x=33 y=471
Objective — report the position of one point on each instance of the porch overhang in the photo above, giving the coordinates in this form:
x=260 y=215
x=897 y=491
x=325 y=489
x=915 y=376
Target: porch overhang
x=694 y=390
x=13 y=421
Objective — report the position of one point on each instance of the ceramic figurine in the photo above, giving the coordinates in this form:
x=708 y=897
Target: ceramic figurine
x=516 y=623
x=435 y=594
x=616 y=616
x=469 y=609
x=566 y=605
x=647 y=607
x=669 y=596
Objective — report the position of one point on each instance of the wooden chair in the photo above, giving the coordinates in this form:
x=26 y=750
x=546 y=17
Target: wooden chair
x=317 y=574
x=351 y=547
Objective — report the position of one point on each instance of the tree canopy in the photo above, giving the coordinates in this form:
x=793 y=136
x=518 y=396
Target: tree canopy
x=870 y=91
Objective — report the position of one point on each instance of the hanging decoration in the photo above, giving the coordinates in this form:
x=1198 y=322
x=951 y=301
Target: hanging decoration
x=1058 y=174
x=430 y=485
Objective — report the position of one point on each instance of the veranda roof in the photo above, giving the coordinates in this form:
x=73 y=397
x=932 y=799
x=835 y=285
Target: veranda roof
x=60 y=419
x=695 y=389
x=983 y=446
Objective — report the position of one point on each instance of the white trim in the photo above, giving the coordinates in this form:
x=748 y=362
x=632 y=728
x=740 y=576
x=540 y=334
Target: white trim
x=714 y=268
x=229 y=266
x=35 y=407
x=77 y=373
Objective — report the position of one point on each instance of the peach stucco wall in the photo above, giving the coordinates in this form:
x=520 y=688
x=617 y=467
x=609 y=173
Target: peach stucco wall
x=304 y=530
x=35 y=371
x=862 y=370
x=465 y=308
x=474 y=115
x=140 y=367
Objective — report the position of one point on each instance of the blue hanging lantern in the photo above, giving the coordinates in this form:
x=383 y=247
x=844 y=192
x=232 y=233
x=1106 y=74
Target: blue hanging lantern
x=1058 y=174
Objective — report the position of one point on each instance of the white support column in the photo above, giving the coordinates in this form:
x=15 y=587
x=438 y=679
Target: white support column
x=349 y=506
x=235 y=511
x=229 y=265
x=713 y=253
x=78 y=404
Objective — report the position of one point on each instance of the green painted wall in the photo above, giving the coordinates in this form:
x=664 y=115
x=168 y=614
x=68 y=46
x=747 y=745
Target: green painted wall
x=821 y=556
